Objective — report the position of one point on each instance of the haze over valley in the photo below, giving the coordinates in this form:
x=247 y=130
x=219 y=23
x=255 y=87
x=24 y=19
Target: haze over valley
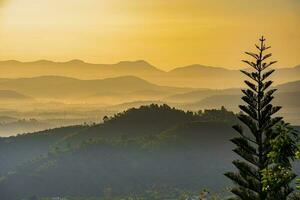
x=193 y=76
x=44 y=94
x=149 y=100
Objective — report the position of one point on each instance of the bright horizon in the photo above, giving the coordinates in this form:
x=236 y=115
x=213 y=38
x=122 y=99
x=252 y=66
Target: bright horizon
x=167 y=34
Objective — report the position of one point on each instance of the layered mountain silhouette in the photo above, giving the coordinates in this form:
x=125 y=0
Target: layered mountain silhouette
x=13 y=96
x=196 y=76
x=121 y=90
x=77 y=69
x=66 y=88
x=75 y=92
x=287 y=96
x=130 y=91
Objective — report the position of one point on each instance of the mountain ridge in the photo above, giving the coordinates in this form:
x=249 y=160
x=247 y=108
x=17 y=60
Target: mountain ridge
x=139 y=61
x=13 y=95
x=77 y=89
x=193 y=76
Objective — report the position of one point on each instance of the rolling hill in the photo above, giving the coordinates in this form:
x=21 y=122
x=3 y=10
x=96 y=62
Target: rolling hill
x=200 y=94
x=195 y=76
x=288 y=100
x=293 y=86
x=9 y=95
x=57 y=87
x=287 y=96
x=76 y=69
x=130 y=152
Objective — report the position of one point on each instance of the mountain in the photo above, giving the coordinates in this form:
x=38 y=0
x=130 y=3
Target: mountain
x=288 y=100
x=127 y=167
x=290 y=86
x=216 y=77
x=22 y=126
x=138 y=67
x=76 y=69
x=16 y=150
x=195 y=76
x=62 y=101
x=199 y=94
x=287 y=96
x=134 y=104
x=57 y=87
x=7 y=119
x=10 y=95
x=130 y=152
x=200 y=76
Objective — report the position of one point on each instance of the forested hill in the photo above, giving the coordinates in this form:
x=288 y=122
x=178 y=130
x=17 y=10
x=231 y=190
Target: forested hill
x=146 y=121
x=135 y=122
x=131 y=152
x=17 y=150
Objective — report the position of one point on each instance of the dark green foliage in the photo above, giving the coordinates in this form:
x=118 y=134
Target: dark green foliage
x=262 y=146
x=165 y=115
x=130 y=153
x=128 y=165
x=279 y=174
x=154 y=193
x=16 y=150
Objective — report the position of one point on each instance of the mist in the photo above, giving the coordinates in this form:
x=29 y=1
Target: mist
x=130 y=99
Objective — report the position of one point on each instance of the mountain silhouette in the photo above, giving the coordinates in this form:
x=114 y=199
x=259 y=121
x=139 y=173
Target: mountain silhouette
x=196 y=76
x=12 y=95
x=65 y=87
x=287 y=96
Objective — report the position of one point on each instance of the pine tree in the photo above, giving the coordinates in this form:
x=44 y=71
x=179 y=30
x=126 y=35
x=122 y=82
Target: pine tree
x=254 y=144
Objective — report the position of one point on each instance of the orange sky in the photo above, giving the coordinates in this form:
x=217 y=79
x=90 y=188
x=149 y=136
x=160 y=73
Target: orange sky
x=167 y=33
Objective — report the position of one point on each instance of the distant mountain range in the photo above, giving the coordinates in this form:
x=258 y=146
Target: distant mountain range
x=199 y=94
x=68 y=100
x=122 y=89
x=195 y=76
x=287 y=96
x=12 y=95
x=57 y=87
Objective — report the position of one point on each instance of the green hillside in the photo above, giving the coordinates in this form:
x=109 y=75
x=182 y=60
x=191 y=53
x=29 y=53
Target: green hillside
x=129 y=152
x=16 y=150
x=132 y=152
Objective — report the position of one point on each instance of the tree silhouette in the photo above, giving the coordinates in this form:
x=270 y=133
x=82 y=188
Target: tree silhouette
x=257 y=143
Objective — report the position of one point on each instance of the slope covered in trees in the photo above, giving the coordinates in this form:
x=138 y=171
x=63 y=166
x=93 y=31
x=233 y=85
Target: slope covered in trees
x=16 y=150
x=130 y=152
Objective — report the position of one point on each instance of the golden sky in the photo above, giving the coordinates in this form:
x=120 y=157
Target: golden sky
x=167 y=33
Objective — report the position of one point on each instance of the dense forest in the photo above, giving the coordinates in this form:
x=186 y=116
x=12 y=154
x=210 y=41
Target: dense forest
x=153 y=146
x=150 y=148
x=149 y=100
